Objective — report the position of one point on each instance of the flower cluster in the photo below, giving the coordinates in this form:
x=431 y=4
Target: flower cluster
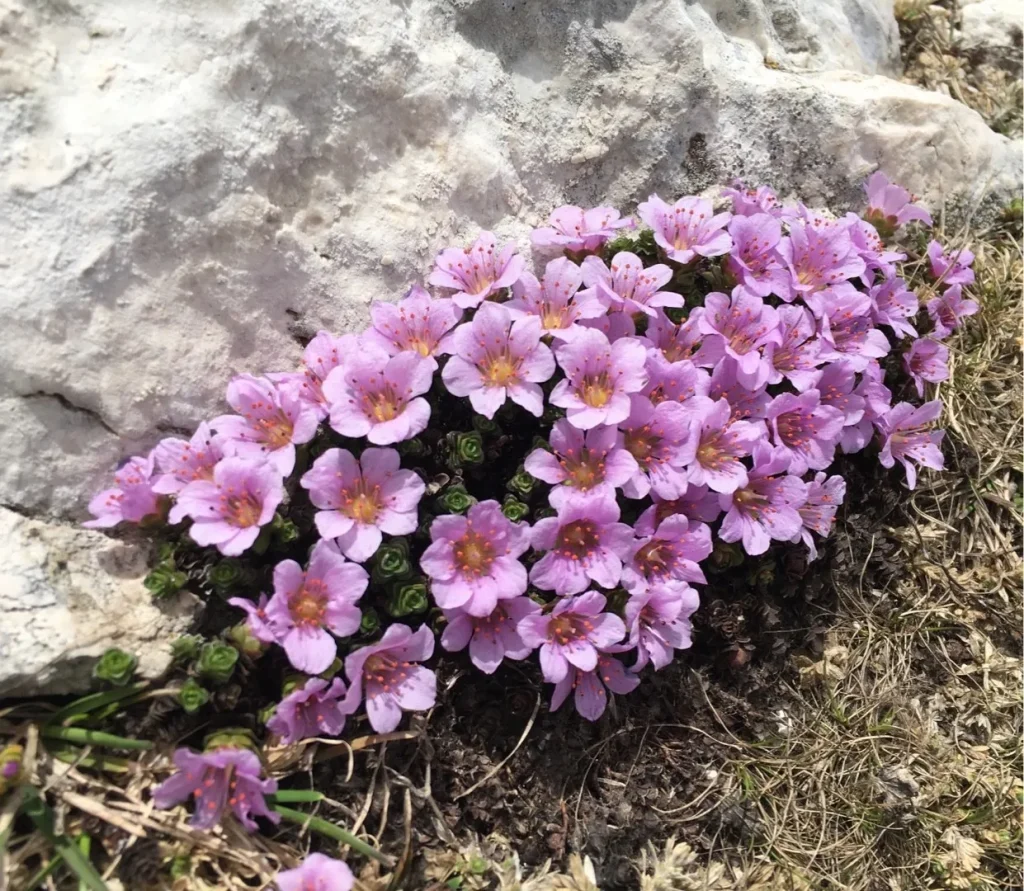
x=527 y=464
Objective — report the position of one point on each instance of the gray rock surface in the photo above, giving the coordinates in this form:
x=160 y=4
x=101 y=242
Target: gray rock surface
x=68 y=594
x=187 y=185
x=993 y=27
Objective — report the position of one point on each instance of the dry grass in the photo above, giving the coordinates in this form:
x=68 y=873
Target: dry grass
x=934 y=59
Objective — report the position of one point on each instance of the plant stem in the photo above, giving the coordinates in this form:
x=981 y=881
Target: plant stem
x=93 y=738
x=331 y=831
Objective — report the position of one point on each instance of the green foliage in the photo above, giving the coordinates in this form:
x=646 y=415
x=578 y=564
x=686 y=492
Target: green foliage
x=391 y=562
x=165 y=581
x=514 y=509
x=456 y=500
x=217 y=662
x=115 y=667
x=408 y=598
x=226 y=575
x=522 y=484
x=193 y=696
x=242 y=638
x=370 y=623
x=186 y=647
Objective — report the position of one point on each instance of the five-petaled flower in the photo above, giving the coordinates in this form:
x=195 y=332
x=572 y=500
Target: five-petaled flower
x=556 y=299
x=229 y=510
x=574 y=229
x=496 y=357
x=361 y=498
x=688 y=229
x=571 y=634
x=658 y=622
x=417 y=324
x=132 y=498
x=317 y=708
x=218 y=780
x=590 y=696
x=626 y=286
x=379 y=396
x=316 y=873
x=388 y=675
x=584 y=543
x=473 y=560
x=477 y=272
x=490 y=638
x=309 y=606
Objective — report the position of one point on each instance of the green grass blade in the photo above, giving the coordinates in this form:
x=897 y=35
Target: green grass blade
x=80 y=708
x=94 y=738
x=331 y=831
x=96 y=760
x=36 y=809
x=293 y=796
x=85 y=846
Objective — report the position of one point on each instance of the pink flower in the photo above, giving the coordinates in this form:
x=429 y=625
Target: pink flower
x=661 y=438
x=847 y=331
x=316 y=709
x=557 y=300
x=181 y=461
x=578 y=463
x=766 y=507
x=835 y=383
x=388 y=674
x=745 y=404
x=753 y=259
x=889 y=205
x=805 y=429
x=627 y=286
x=571 y=634
x=584 y=543
x=752 y=201
x=496 y=358
x=872 y=250
x=893 y=304
x=317 y=873
x=819 y=257
x=490 y=638
x=360 y=498
x=476 y=272
x=590 y=697
x=575 y=229
x=951 y=269
x=688 y=229
x=417 y=324
x=379 y=396
x=658 y=621
x=699 y=503
x=745 y=324
x=720 y=444
x=926 y=361
x=307 y=607
x=909 y=439
x=796 y=356
x=229 y=510
x=876 y=399
x=599 y=378
x=818 y=513
x=677 y=343
x=473 y=561
x=217 y=780
x=670 y=554
x=681 y=382
x=271 y=420
x=257 y=618
x=947 y=310
x=322 y=355
x=132 y=498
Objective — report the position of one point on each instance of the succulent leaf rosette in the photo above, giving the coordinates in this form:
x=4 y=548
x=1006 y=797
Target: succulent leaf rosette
x=541 y=464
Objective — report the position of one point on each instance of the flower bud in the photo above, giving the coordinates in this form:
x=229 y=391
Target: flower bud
x=230 y=738
x=116 y=667
x=217 y=662
x=284 y=531
x=726 y=555
x=193 y=696
x=10 y=766
x=241 y=637
x=514 y=509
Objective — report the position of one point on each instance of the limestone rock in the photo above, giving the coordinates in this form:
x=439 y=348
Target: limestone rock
x=68 y=594
x=993 y=26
